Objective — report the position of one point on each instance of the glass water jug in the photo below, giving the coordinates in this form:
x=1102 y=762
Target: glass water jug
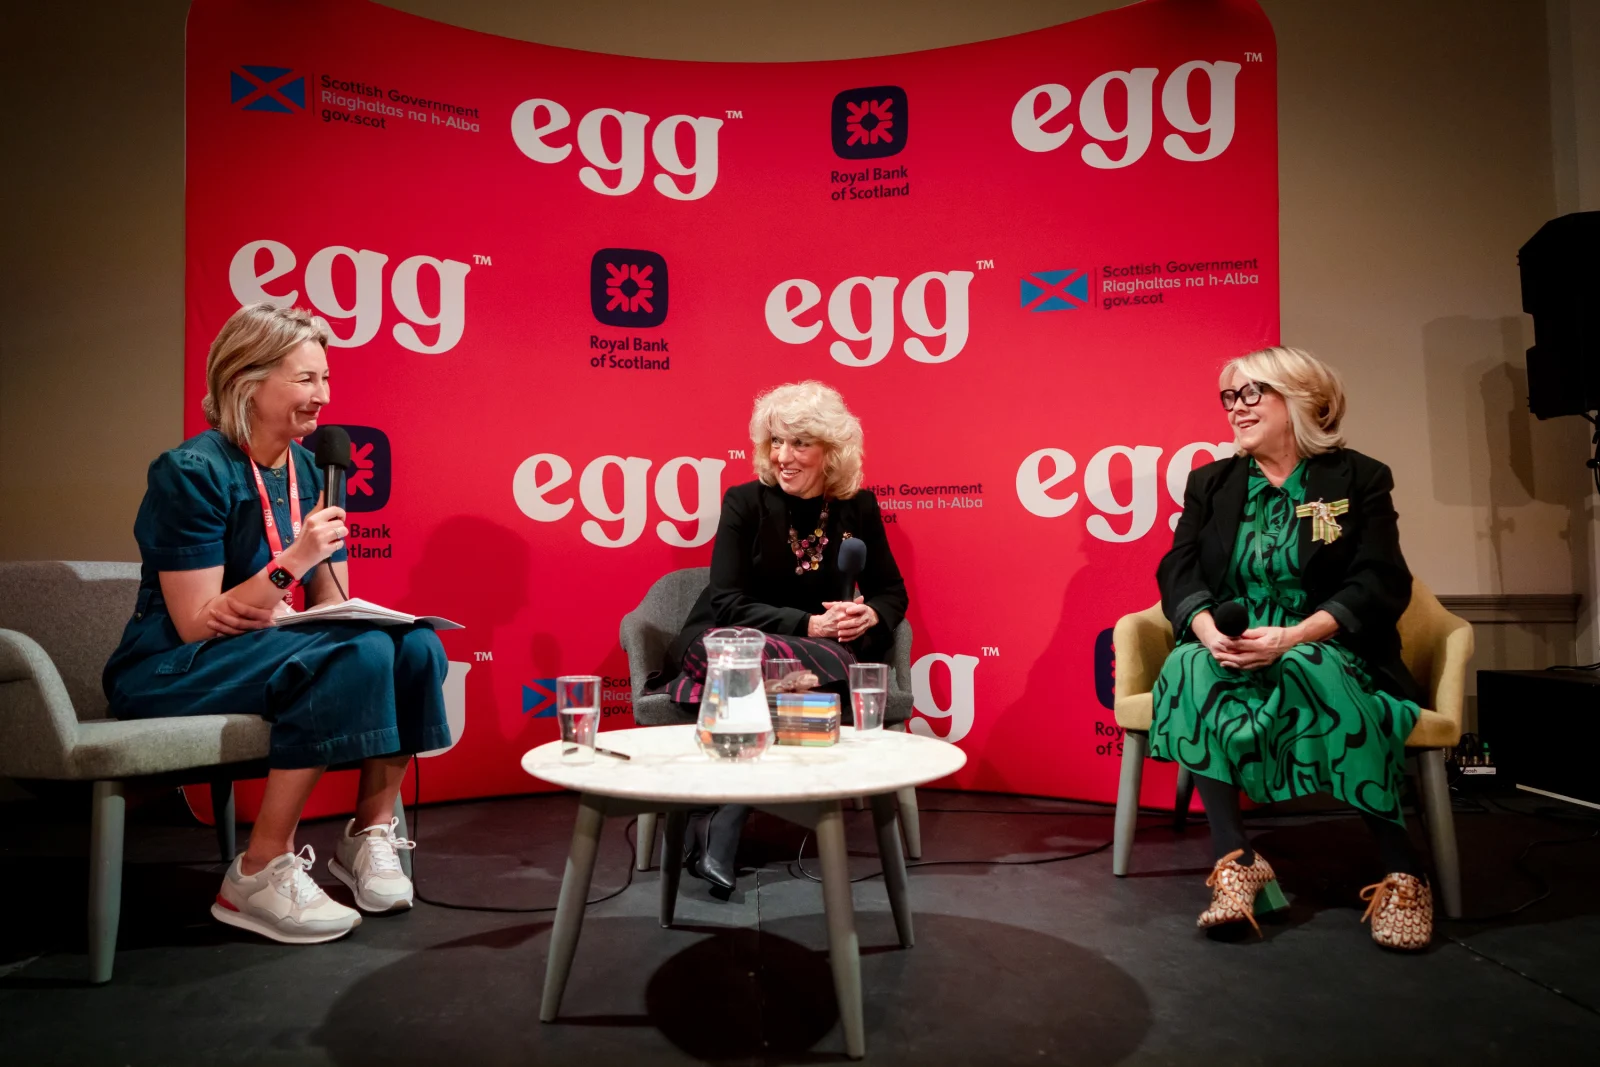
x=734 y=720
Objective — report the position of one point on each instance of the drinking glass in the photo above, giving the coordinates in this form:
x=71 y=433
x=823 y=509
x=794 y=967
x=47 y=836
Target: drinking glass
x=578 y=708
x=869 y=695
x=774 y=671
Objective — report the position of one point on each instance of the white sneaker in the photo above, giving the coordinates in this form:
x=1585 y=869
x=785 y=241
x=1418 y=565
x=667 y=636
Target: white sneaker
x=282 y=902
x=369 y=863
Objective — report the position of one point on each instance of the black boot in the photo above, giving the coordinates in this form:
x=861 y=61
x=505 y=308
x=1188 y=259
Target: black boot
x=714 y=845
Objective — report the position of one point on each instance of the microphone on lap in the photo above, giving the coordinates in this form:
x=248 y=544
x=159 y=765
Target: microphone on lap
x=1231 y=618
x=852 y=558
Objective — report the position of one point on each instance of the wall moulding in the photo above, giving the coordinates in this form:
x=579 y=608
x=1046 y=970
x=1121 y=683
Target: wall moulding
x=1514 y=607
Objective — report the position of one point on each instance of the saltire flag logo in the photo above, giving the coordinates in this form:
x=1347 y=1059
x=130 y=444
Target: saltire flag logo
x=539 y=698
x=256 y=88
x=1055 y=290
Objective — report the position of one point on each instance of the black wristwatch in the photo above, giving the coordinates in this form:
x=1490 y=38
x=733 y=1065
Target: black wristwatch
x=280 y=578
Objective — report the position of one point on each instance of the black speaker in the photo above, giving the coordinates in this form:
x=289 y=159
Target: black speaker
x=1560 y=268
x=1543 y=728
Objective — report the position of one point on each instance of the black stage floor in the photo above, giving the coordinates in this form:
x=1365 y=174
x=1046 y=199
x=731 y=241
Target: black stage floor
x=1036 y=964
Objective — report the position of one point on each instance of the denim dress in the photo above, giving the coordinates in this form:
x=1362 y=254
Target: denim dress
x=334 y=692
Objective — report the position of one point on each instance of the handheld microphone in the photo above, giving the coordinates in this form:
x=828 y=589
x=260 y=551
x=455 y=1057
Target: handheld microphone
x=333 y=460
x=852 y=558
x=1231 y=618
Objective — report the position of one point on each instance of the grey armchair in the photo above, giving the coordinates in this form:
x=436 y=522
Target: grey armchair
x=59 y=623
x=648 y=629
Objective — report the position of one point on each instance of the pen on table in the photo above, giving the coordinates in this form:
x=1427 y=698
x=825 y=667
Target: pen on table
x=608 y=752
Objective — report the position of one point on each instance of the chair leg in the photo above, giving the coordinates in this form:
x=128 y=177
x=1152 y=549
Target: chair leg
x=105 y=878
x=224 y=819
x=910 y=821
x=1134 y=747
x=400 y=815
x=1441 y=828
x=1180 y=806
x=644 y=845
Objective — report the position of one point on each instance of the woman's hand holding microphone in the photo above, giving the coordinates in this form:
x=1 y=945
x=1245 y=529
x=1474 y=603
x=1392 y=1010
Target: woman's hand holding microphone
x=321 y=535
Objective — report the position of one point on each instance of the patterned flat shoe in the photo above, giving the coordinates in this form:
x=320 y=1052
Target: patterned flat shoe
x=1401 y=911
x=1240 y=893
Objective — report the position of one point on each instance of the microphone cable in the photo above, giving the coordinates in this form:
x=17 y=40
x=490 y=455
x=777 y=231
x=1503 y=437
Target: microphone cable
x=414 y=817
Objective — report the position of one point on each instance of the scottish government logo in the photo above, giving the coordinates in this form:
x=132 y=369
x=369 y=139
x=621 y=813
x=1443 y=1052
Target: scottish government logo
x=539 y=698
x=869 y=123
x=1055 y=290
x=628 y=287
x=257 y=88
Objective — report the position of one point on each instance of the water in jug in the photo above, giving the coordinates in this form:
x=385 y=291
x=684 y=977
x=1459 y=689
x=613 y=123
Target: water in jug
x=734 y=720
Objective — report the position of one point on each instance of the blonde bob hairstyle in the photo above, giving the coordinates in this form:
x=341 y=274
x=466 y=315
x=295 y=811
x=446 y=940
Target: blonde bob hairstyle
x=1311 y=389
x=251 y=343
x=809 y=409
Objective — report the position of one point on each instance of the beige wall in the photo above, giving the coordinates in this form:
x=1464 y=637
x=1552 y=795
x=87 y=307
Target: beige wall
x=1416 y=157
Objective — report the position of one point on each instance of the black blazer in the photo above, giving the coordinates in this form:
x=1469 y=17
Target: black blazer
x=753 y=582
x=1361 y=579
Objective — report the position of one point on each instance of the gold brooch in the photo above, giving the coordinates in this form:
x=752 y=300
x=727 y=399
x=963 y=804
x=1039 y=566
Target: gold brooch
x=1324 y=527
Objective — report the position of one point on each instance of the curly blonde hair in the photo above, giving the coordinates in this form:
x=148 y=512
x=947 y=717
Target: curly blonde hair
x=250 y=344
x=813 y=410
x=1312 y=390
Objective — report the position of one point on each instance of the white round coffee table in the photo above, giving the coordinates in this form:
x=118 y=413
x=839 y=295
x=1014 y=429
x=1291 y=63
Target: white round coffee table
x=666 y=772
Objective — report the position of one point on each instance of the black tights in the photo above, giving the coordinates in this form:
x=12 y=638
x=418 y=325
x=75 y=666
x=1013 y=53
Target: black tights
x=1227 y=829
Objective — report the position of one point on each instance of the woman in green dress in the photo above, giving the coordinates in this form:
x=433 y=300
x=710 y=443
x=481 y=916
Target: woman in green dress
x=1300 y=533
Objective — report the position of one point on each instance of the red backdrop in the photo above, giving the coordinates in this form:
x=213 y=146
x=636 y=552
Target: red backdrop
x=558 y=278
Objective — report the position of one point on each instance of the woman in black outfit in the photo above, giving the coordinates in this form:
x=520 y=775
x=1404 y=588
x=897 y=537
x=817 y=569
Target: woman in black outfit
x=774 y=567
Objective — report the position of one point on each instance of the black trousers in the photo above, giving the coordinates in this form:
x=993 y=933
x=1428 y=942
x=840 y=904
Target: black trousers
x=1227 y=829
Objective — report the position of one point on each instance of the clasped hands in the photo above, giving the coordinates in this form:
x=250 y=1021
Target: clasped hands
x=1255 y=648
x=842 y=620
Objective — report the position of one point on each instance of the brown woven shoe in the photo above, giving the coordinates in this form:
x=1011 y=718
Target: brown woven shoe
x=1401 y=911
x=1234 y=888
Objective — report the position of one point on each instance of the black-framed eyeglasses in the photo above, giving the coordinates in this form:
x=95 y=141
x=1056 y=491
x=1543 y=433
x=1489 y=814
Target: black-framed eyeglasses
x=1251 y=394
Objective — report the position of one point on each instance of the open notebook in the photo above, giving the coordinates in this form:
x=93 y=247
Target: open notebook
x=358 y=610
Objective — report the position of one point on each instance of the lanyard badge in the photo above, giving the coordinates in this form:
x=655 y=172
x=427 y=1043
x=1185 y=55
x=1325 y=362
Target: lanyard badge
x=274 y=536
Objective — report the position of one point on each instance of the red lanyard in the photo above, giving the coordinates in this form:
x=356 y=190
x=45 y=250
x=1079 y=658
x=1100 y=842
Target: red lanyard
x=274 y=538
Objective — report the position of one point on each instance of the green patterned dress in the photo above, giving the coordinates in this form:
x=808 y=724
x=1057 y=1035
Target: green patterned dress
x=1313 y=721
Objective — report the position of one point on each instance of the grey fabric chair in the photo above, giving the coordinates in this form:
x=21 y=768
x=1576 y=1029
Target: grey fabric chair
x=59 y=623
x=648 y=629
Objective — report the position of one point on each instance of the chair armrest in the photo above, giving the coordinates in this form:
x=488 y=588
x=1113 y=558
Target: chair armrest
x=1452 y=652
x=1141 y=643
x=646 y=647
x=38 y=727
x=900 y=658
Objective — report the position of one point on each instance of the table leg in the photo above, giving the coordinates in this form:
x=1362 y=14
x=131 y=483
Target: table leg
x=887 y=824
x=843 y=950
x=672 y=863
x=570 y=904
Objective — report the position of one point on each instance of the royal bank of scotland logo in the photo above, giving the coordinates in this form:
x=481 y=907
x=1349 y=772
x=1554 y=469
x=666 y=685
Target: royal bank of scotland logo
x=628 y=287
x=870 y=123
x=370 y=476
x=258 y=88
x=539 y=698
x=1105 y=671
x=1055 y=290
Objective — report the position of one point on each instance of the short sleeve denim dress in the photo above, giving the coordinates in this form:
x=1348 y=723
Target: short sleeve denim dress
x=334 y=692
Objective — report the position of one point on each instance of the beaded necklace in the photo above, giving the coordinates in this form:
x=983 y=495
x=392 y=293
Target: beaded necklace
x=808 y=551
